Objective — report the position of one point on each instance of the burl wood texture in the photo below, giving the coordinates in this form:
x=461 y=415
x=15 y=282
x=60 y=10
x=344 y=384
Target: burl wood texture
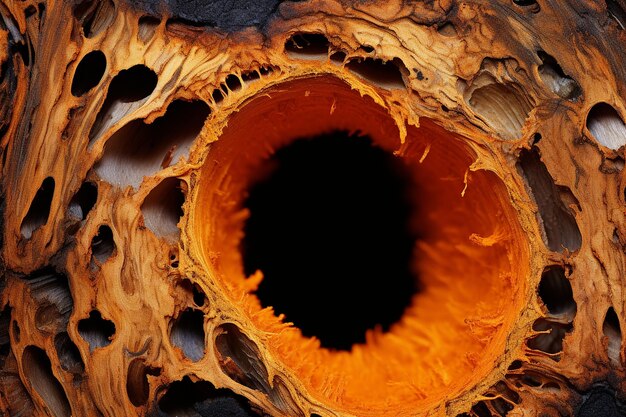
x=130 y=131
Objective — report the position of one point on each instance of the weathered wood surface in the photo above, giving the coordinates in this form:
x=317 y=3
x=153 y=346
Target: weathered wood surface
x=115 y=115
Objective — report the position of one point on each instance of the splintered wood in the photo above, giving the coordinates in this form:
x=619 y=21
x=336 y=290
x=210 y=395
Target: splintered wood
x=131 y=131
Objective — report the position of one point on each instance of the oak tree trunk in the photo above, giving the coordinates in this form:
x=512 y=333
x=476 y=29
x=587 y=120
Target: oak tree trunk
x=312 y=208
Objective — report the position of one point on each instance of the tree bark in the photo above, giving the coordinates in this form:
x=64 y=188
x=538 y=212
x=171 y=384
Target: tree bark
x=132 y=131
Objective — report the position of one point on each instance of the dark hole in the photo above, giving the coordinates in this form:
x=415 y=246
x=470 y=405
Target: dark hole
x=38 y=371
x=129 y=86
x=561 y=229
x=612 y=330
x=201 y=399
x=39 y=209
x=137 y=386
x=536 y=138
x=307 y=44
x=16 y=332
x=505 y=392
x=611 y=320
x=554 y=76
x=515 y=365
x=550 y=342
x=329 y=229
x=42 y=11
x=531 y=381
x=447 y=29
x=188 y=334
x=481 y=410
x=102 y=244
x=555 y=291
x=617 y=11
x=84 y=200
x=198 y=296
x=233 y=82
x=68 y=354
x=385 y=74
x=5 y=338
x=96 y=331
x=250 y=76
x=338 y=57
x=163 y=208
x=502 y=406
x=30 y=10
x=525 y=2
x=132 y=84
x=192 y=289
x=217 y=95
x=367 y=48
x=88 y=73
x=25 y=50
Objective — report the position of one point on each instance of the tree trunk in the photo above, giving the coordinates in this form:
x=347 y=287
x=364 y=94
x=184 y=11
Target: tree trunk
x=312 y=208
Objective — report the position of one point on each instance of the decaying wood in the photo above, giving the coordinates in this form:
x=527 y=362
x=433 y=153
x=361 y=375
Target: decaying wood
x=115 y=115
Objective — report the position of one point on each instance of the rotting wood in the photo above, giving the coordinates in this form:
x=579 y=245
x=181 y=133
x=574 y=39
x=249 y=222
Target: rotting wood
x=131 y=130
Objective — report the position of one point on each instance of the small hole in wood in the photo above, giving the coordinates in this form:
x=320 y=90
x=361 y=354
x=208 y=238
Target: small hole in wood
x=137 y=386
x=193 y=291
x=553 y=76
x=188 y=334
x=448 y=30
x=16 y=332
x=338 y=57
x=233 y=82
x=250 y=76
x=83 y=201
x=127 y=91
x=140 y=149
x=606 y=126
x=384 y=74
x=218 y=96
x=38 y=371
x=163 y=208
x=102 y=244
x=186 y=398
x=239 y=358
x=39 y=210
x=504 y=107
x=481 y=410
x=556 y=293
x=307 y=46
x=528 y=5
x=68 y=354
x=613 y=332
x=88 y=73
x=551 y=341
x=96 y=331
x=559 y=224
